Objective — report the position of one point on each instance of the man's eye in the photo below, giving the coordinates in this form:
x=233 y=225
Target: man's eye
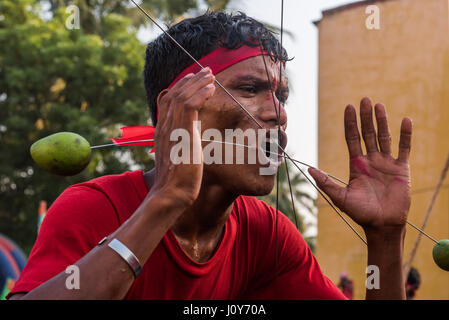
x=249 y=89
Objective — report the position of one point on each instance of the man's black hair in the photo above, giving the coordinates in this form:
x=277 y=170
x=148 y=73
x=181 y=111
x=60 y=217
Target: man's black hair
x=200 y=36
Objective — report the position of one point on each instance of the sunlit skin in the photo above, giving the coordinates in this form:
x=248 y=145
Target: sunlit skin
x=195 y=200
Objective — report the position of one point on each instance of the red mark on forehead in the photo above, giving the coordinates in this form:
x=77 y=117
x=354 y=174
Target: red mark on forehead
x=273 y=76
x=360 y=165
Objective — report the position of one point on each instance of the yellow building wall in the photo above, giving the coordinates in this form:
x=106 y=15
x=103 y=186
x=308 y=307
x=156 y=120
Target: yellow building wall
x=405 y=65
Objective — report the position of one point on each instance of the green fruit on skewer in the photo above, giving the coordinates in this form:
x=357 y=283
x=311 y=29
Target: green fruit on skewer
x=441 y=254
x=63 y=153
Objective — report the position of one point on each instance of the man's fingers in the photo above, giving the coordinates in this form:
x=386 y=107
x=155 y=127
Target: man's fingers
x=189 y=114
x=194 y=104
x=189 y=111
x=163 y=102
x=183 y=100
x=368 y=130
x=189 y=88
x=405 y=142
x=383 y=131
x=336 y=192
x=352 y=133
x=182 y=82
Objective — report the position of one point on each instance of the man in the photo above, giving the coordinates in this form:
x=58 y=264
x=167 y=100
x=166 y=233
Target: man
x=194 y=228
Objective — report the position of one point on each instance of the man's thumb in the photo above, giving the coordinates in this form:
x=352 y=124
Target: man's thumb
x=330 y=187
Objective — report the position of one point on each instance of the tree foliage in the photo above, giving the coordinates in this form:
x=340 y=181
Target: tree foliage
x=54 y=79
x=93 y=12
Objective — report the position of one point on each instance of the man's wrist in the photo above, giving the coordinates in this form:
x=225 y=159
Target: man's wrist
x=385 y=253
x=165 y=203
x=385 y=235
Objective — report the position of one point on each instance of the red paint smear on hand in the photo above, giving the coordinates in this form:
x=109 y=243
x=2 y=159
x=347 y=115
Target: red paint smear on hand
x=401 y=180
x=360 y=165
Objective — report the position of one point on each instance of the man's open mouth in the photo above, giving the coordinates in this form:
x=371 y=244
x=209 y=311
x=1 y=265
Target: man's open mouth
x=274 y=145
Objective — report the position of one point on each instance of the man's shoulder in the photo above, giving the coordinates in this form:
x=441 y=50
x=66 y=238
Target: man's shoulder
x=259 y=217
x=252 y=207
x=256 y=213
x=115 y=187
x=120 y=194
x=255 y=209
x=114 y=181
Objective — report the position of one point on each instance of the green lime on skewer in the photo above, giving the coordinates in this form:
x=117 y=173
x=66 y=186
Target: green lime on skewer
x=63 y=153
x=441 y=254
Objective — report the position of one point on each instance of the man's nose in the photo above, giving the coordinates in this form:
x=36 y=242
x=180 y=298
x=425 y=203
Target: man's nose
x=272 y=111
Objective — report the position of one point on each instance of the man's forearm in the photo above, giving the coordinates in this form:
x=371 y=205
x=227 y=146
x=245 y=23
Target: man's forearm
x=385 y=251
x=103 y=273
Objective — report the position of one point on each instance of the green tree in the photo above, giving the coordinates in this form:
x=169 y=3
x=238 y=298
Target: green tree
x=93 y=12
x=53 y=79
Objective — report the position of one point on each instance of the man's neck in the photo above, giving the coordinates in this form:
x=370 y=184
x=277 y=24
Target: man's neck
x=200 y=228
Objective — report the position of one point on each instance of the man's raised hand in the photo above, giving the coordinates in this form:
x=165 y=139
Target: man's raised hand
x=178 y=109
x=379 y=191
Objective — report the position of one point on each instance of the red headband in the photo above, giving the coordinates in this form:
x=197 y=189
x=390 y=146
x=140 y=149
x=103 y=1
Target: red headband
x=221 y=59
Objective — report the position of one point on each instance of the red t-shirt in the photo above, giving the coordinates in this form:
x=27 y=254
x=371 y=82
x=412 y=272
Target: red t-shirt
x=242 y=267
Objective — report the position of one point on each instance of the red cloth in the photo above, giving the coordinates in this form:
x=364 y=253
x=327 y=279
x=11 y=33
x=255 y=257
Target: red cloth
x=221 y=59
x=243 y=266
x=133 y=134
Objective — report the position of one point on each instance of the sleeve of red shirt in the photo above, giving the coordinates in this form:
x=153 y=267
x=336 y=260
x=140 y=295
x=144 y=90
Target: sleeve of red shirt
x=296 y=275
x=77 y=220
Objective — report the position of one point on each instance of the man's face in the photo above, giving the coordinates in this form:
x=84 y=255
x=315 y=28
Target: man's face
x=247 y=81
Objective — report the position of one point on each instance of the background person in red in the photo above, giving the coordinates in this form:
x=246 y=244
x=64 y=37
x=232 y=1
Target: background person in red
x=196 y=229
x=413 y=283
x=346 y=286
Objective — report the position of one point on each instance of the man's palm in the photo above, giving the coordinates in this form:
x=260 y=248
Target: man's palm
x=379 y=189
